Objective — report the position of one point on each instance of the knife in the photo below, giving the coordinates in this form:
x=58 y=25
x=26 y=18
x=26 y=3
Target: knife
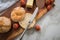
x=31 y=20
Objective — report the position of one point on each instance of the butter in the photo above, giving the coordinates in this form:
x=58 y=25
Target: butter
x=29 y=3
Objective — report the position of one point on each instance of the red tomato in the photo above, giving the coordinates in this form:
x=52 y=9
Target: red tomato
x=52 y=1
x=47 y=2
x=15 y=26
x=37 y=27
x=49 y=7
x=23 y=2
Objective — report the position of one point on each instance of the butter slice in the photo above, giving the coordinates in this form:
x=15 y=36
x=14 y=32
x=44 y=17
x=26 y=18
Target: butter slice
x=29 y=3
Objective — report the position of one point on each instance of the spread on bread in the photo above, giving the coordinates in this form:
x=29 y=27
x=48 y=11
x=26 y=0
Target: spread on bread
x=24 y=22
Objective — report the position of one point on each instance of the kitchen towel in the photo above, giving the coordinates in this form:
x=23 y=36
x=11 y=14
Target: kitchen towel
x=4 y=4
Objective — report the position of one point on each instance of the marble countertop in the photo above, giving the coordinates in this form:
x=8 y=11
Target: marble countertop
x=50 y=26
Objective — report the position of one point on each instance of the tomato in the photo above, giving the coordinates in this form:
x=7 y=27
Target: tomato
x=49 y=7
x=37 y=27
x=48 y=2
x=23 y=2
x=52 y=1
x=15 y=26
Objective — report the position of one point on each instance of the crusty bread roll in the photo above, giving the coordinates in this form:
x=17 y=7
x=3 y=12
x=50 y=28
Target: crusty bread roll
x=5 y=24
x=26 y=20
x=17 y=14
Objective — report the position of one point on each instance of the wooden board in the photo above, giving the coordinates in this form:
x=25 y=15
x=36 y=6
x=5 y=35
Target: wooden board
x=7 y=13
x=14 y=33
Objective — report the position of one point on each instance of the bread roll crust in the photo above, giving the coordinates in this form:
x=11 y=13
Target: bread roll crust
x=18 y=14
x=5 y=24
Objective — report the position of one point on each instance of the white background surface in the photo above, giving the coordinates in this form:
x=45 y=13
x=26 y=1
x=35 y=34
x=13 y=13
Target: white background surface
x=50 y=26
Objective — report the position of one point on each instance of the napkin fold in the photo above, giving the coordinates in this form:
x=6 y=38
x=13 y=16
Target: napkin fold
x=4 y=4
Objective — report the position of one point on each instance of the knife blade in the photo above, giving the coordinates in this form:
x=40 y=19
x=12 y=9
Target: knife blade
x=32 y=18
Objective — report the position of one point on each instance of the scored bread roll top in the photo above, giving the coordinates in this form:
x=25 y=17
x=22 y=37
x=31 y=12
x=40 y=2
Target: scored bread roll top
x=5 y=24
x=26 y=20
x=17 y=14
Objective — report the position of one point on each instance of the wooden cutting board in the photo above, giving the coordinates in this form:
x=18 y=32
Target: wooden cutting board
x=14 y=33
x=7 y=13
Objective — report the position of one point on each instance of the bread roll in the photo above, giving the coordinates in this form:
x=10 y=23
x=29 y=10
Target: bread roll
x=17 y=14
x=5 y=24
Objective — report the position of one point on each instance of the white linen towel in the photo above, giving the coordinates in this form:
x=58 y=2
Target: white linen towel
x=4 y=4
